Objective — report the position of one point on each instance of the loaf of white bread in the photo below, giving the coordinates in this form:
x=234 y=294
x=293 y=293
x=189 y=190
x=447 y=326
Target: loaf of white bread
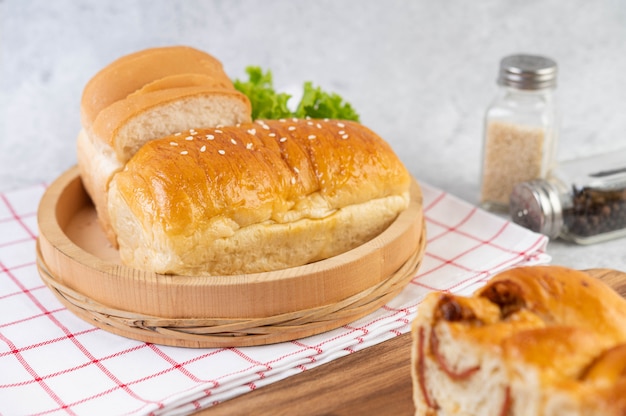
x=144 y=96
x=255 y=197
x=536 y=340
x=184 y=183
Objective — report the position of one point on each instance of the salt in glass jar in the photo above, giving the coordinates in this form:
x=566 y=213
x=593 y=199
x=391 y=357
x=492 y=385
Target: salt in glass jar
x=521 y=128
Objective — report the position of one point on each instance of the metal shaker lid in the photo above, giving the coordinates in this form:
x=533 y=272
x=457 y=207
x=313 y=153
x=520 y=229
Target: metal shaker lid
x=536 y=205
x=527 y=72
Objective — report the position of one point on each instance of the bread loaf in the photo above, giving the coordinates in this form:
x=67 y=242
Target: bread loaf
x=256 y=197
x=537 y=340
x=145 y=96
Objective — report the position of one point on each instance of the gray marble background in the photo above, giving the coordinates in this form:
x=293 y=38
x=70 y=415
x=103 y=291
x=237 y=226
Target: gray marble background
x=420 y=73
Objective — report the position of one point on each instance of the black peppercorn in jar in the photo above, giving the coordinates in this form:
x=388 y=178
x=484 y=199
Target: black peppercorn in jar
x=583 y=200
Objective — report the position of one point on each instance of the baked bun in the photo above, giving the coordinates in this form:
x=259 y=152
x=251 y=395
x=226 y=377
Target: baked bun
x=145 y=96
x=537 y=340
x=256 y=197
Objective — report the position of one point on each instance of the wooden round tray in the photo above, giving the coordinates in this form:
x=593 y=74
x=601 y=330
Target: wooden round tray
x=79 y=265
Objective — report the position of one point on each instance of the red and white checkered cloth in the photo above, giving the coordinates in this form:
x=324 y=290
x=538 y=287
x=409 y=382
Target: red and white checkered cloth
x=53 y=363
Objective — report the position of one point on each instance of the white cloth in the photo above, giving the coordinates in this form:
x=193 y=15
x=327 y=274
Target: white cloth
x=52 y=362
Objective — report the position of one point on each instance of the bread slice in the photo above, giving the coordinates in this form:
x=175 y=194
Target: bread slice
x=128 y=124
x=131 y=72
x=534 y=341
x=253 y=198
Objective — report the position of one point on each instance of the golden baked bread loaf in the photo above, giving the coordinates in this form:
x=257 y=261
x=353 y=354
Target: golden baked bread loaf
x=144 y=96
x=536 y=340
x=256 y=197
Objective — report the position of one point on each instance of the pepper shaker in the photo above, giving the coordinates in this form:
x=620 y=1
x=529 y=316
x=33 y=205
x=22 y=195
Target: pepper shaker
x=520 y=128
x=583 y=200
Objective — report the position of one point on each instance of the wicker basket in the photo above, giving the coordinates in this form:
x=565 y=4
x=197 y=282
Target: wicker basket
x=86 y=274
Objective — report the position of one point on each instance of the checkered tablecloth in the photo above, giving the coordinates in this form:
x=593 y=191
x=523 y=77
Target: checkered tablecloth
x=53 y=363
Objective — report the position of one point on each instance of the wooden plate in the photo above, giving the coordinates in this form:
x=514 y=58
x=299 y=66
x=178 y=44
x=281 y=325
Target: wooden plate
x=85 y=272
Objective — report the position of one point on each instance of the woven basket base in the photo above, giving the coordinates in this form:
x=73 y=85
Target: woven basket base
x=215 y=332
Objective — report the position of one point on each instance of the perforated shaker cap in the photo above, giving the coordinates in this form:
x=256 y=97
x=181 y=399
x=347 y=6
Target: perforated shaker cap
x=527 y=72
x=536 y=205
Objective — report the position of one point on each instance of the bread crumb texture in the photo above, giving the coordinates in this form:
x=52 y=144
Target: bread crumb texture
x=536 y=340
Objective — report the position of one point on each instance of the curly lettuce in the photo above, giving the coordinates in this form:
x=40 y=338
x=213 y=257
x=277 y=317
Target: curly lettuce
x=267 y=103
x=316 y=103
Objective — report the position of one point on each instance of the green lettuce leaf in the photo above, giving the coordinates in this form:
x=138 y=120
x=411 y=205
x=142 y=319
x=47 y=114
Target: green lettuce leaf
x=316 y=103
x=269 y=104
x=266 y=103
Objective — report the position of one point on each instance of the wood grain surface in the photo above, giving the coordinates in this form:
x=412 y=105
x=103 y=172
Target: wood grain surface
x=85 y=273
x=373 y=381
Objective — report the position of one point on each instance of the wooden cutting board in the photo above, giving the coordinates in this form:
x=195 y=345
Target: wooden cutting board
x=373 y=381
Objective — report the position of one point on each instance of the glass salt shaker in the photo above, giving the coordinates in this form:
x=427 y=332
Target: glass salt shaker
x=520 y=128
x=583 y=200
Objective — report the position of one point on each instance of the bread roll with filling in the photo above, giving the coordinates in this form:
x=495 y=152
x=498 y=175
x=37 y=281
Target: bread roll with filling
x=537 y=340
x=253 y=198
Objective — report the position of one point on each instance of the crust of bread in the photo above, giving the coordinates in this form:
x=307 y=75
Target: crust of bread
x=535 y=340
x=131 y=72
x=185 y=80
x=255 y=197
